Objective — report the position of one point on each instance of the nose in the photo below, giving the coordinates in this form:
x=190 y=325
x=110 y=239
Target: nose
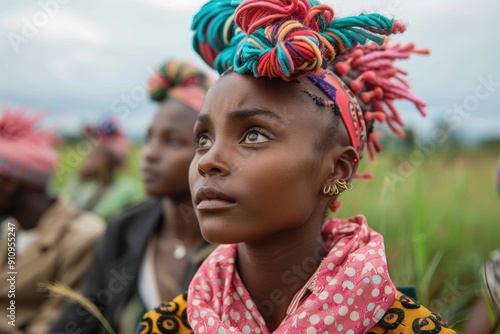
x=215 y=161
x=151 y=151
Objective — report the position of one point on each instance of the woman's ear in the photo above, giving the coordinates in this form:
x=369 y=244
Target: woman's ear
x=345 y=164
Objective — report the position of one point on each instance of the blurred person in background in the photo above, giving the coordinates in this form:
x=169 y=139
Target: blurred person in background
x=44 y=239
x=151 y=251
x=97 y=186
x=485 y=314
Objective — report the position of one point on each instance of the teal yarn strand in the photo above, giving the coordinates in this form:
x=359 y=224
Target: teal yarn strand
x=247 y=58
x=214 y=25
x=228 y=57
x=359 y=29
x=209 y=23
x=367 y=21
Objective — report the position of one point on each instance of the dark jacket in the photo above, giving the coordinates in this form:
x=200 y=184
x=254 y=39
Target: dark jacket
x=113 y=277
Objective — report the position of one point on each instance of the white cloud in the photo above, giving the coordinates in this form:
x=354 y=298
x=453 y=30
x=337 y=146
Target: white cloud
x=66 y=27
x=59 y=65
x=184 y=6
x=84 y=55
x=59 y=26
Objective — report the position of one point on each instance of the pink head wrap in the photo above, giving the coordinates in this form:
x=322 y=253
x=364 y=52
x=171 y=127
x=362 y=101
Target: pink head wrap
x=26 y=153
x=111 y=138
x=179 y=81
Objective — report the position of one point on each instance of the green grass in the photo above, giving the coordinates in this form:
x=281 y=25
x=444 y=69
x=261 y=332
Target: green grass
x=440 y=219
x=439 y=222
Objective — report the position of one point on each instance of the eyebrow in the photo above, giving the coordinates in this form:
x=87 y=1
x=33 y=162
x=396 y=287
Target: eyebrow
x=169 y=129
x=203 y=118
x=244 y=114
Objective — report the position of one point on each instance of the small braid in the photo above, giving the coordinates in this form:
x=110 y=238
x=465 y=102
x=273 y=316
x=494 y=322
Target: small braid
x=370 y=73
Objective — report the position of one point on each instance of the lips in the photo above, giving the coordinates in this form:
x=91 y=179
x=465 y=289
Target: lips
x=209 y=199
x=149 y=174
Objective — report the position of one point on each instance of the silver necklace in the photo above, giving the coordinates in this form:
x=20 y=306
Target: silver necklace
x=179 y=250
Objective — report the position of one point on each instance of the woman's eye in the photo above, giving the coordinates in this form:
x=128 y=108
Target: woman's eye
x=204 y=142
x=173 y=141
x=254 y=137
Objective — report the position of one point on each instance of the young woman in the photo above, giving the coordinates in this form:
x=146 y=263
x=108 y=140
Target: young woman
x=43 y=238
x=97 y=186
x=150 y=252
x=279 y=137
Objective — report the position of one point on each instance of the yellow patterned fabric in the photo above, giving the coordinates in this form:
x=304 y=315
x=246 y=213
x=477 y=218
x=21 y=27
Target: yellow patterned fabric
x=408 y=316
x=167 y=318
x=404 y=316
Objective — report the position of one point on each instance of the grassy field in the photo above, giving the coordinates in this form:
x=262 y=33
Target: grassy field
x=440 y=219
x=439 y=213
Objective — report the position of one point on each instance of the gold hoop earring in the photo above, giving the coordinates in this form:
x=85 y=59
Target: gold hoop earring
x=330 y=190
x=335 y=190
x=344 y=185
x=326 y=190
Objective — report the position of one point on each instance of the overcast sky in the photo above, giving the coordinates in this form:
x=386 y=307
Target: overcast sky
x=85 y=59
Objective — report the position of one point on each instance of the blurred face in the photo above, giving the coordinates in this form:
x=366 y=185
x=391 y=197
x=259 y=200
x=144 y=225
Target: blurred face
x=257 y=170
x=168 y=151
x=96 y=161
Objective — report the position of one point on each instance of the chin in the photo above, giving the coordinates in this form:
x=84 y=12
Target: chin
x=216 y=237
x=154 y=193
x=219 y=231
x=216 y=233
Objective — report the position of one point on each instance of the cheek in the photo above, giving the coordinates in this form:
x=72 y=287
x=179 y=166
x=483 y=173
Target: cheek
x=194 y=175
x=290 y=185
x=176 y=165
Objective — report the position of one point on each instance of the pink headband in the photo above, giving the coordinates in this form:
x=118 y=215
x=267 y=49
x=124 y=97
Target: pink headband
x=349 y=108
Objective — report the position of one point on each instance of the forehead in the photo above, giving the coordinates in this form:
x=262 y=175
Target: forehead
x=235 y=91
x=171 y=113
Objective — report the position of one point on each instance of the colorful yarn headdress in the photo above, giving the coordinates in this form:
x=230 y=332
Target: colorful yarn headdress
x=283 y=39
x=110 y=137
x=290 y=39
x=179 y=81
x=26 y=152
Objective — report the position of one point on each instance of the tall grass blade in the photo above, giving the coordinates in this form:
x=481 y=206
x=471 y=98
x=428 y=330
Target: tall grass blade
x=60 y=290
